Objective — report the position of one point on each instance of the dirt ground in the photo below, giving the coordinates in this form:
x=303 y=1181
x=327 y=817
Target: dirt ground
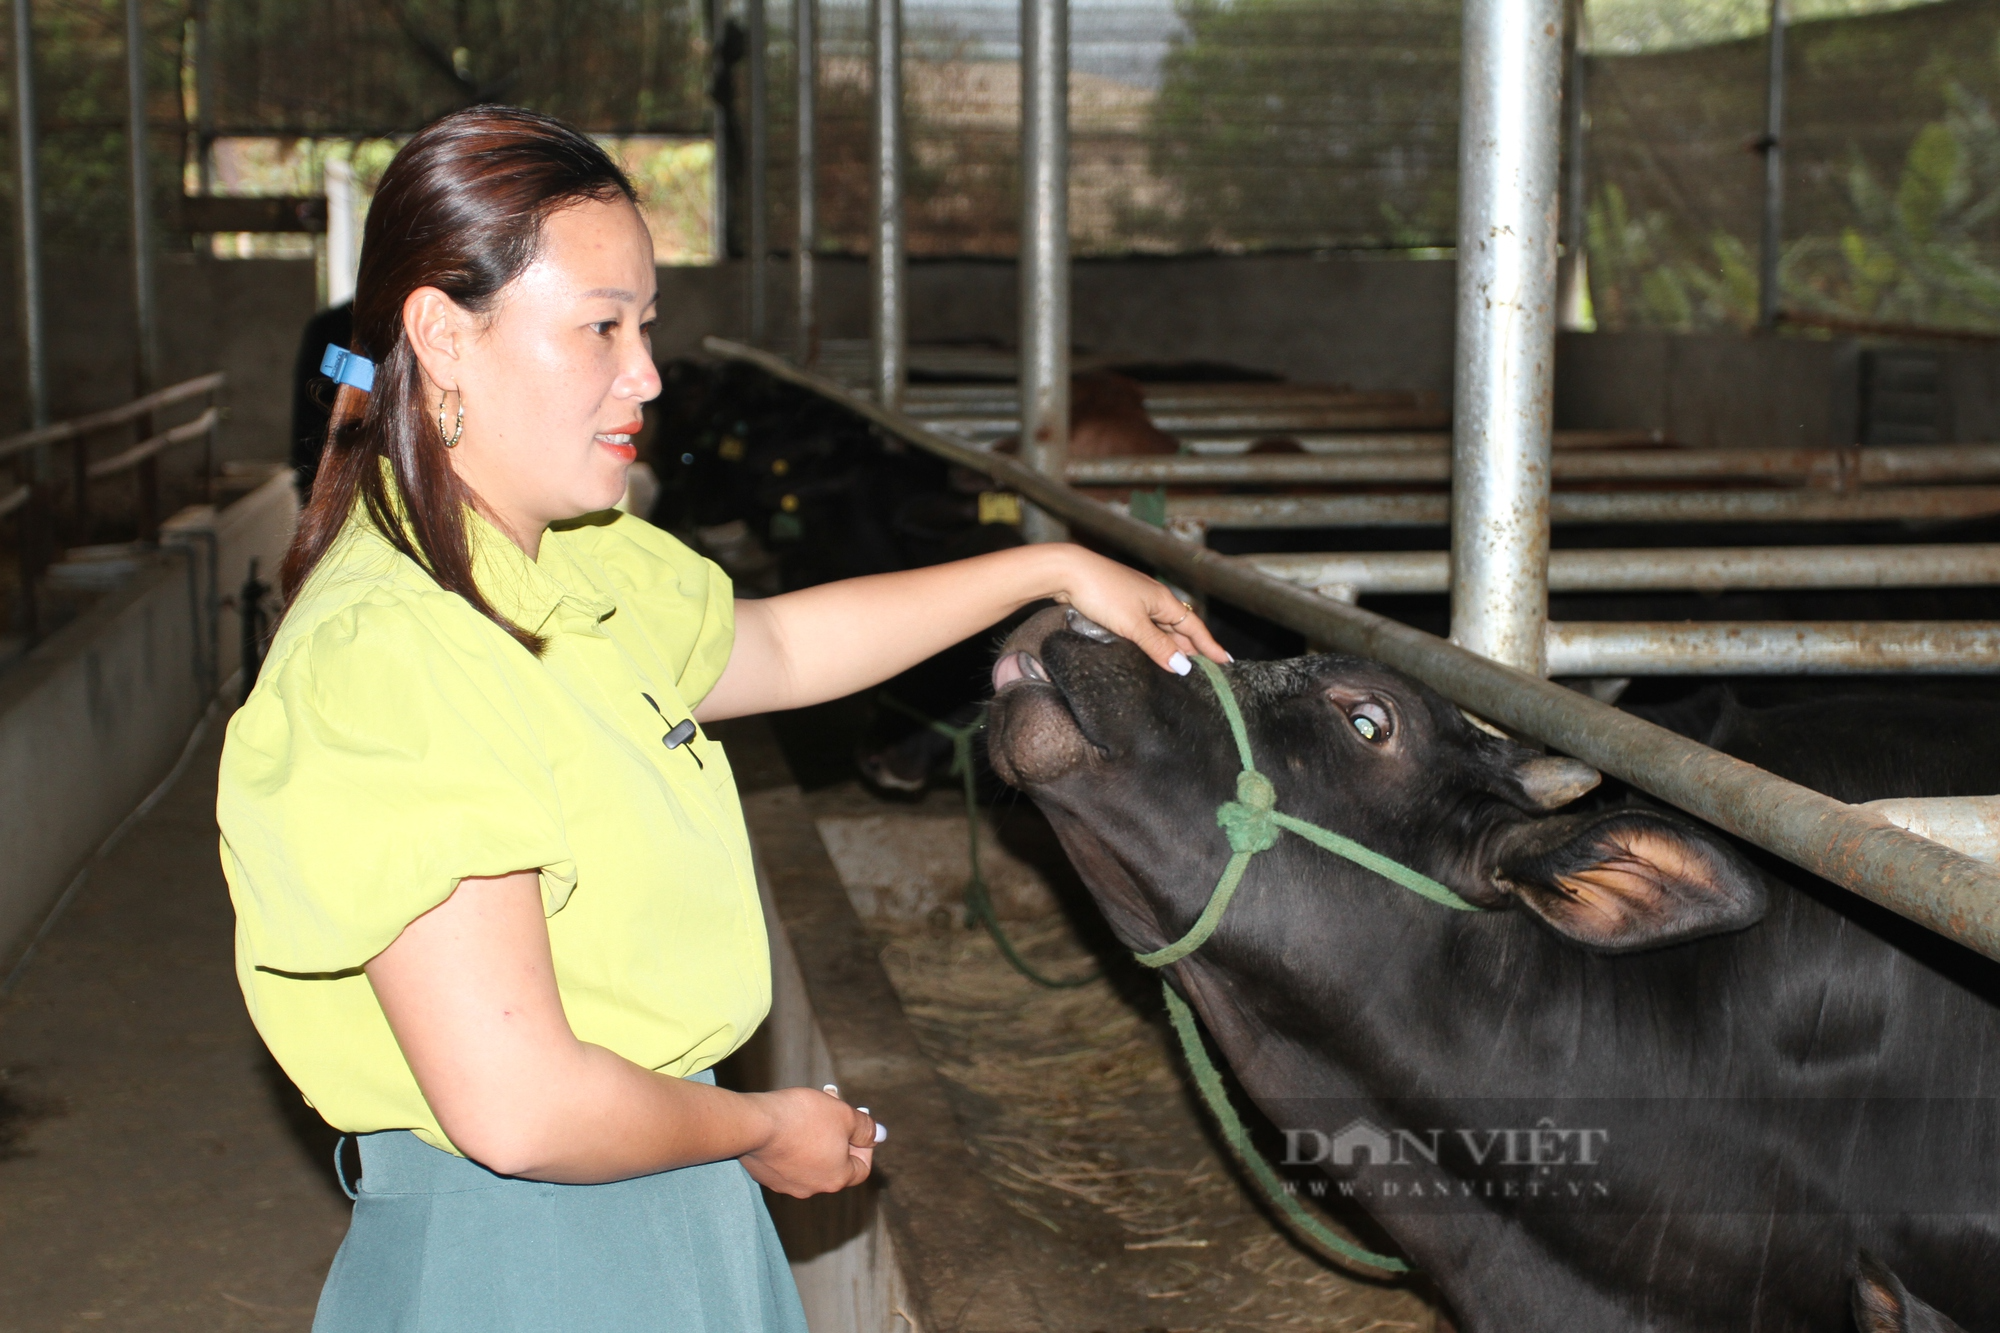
x=157 y=1171
x=1078 y=1110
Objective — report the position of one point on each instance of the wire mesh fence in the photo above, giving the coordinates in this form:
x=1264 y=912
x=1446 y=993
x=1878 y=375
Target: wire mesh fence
x=1197 y=126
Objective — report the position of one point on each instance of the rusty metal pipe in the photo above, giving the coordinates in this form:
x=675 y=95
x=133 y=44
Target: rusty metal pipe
x=1772 y=506
x=982 y=418
x=1714 y=569
x=1834 y=468
x=1772 y=648
x=919 y=399
x=1941 y=889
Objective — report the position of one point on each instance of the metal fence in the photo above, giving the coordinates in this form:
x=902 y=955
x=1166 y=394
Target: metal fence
x=47 y=502
x=1852 y=846
x=1490 y=484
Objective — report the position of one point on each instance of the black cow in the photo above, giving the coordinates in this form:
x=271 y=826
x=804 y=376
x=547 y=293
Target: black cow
x=1660 y=1083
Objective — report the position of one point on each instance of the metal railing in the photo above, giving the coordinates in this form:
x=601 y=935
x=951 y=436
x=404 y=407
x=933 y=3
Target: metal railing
x=1563 y=507
x=1854 y=847
x=1500 y=460
x=32 y=502
x=1830 y=469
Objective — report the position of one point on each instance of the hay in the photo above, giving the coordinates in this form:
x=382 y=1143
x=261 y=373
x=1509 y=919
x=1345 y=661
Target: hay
x=1075 y=1110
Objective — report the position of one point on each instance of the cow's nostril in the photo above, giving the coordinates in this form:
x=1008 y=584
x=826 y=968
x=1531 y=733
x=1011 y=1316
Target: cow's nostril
x=1087 y=627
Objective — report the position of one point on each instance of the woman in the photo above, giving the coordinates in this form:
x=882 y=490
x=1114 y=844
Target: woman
x=496 y=914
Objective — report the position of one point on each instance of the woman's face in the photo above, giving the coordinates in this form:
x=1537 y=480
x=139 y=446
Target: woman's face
x=553 y=378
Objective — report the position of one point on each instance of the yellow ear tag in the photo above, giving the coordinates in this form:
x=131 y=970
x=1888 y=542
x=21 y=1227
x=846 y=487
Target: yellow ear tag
x=999 y=507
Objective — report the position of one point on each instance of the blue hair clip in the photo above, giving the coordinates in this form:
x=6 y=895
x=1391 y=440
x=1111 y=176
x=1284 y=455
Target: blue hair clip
x=345 y=367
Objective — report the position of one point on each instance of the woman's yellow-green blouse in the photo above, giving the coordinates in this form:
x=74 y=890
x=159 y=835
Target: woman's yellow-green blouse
x=398 y=741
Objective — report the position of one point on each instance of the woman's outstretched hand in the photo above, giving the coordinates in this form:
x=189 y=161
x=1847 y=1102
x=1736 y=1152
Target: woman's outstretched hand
x=830 y=640
x=1135 y=607
x=818 y=1143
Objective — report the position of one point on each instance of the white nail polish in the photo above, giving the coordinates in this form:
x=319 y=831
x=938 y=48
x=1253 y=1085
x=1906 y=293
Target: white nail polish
x=881 y=1132
x=862 y=1109
x=1181 y=666
x=830 y=1090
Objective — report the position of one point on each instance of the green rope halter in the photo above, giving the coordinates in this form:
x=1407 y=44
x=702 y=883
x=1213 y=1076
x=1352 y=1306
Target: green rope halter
x=1253 y=824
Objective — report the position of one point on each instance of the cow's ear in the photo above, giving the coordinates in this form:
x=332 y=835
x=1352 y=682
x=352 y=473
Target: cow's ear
x=1882 y=1304
x=1628 y=879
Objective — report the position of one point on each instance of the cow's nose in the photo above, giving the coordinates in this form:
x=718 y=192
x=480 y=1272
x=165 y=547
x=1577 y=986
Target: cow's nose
x=1087 y=627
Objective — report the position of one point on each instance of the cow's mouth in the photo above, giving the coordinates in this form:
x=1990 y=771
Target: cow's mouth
x=1033 y=733
x=1018 y=665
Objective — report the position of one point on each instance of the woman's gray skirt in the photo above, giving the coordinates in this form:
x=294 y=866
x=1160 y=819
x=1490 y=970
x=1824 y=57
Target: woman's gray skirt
x=441 y=1245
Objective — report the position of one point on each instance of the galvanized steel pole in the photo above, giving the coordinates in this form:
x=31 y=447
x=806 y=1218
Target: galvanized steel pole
x=1044 y=359
x=142 y=199
x=1773 y=648
x=1654 y=569
x=1573 y=276
x=28 y=203
x=888 y=329
x=1503 y=398
x=757 y=272
x=805 y=45
x=1772 y=146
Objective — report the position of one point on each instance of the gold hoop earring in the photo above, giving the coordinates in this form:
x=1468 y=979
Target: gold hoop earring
x=458 y=427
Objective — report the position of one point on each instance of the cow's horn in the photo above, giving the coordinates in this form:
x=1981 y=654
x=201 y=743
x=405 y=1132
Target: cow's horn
x=1551 y=782
x=1968 y=824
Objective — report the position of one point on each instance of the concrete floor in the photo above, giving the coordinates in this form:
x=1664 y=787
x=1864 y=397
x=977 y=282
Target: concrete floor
x=157 y=1171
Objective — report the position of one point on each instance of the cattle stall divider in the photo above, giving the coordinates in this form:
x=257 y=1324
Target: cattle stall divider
x=1856 y=848
x=1511 y=475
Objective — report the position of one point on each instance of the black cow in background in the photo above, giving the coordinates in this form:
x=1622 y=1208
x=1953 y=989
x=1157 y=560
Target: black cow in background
x=312 y=392
x=786 y=491
x=1659 y=1082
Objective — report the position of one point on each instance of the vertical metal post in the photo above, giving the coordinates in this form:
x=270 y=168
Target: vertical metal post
x=888 y=328
x=33 y=522
x=1504 y=393
x=719 y=85
x=28 y=201
x=204 y=96
x=341 y=245
x=1573 y=268
x=142 y=199
x=1044 y=360
x=756 y=272
x=805 y=33
x=1772 y=146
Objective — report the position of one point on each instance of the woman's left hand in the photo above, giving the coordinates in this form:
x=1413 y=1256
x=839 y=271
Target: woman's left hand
x=1136 y=607
x=823 y=642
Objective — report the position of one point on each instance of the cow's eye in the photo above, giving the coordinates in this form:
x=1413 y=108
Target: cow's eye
x=1371 y=720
